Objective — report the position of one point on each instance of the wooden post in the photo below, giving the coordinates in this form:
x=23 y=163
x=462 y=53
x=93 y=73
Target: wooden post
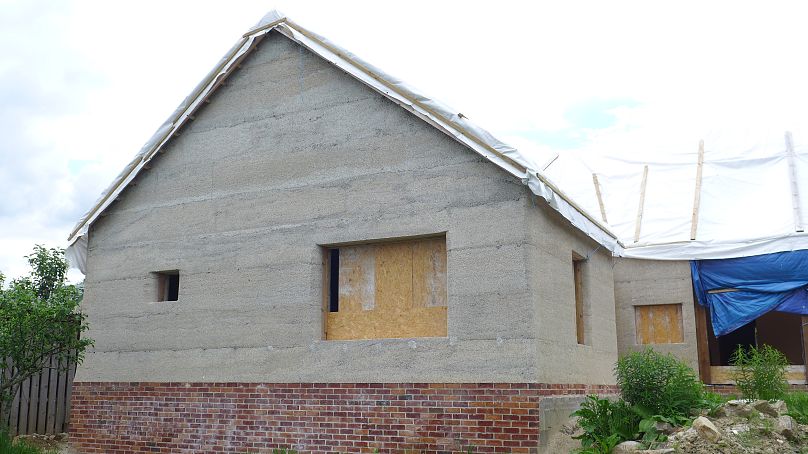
x=642 y=204
x=805 y=345
x=577 y=271
x=694 y=222
x=600 y=197
x=702 y=346
x=795 y=190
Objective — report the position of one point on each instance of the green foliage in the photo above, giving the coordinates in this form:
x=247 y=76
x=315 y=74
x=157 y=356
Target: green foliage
x=605 y=424
x=713 y=401
x=797 y=403
x=283 y=451
x=760 y=372
x=659 y=384
x=7 y=446
x=39 y=319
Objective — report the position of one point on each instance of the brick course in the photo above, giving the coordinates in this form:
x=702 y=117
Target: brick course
x=311 y=417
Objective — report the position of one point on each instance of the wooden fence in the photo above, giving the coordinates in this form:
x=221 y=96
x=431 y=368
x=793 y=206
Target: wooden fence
x=42 y=404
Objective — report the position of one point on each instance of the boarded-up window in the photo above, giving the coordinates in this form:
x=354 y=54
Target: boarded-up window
x=659 y=324
x=386 y=290
x=578 y=276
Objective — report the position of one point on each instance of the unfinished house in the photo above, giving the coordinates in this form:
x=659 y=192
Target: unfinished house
x=311 y=255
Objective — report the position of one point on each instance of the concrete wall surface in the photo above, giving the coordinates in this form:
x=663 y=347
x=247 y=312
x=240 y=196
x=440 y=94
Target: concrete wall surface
x=646 y=282
x=291 y=154
x=551 y=244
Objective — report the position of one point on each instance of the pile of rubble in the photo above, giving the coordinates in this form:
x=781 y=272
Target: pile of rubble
x=739 y=426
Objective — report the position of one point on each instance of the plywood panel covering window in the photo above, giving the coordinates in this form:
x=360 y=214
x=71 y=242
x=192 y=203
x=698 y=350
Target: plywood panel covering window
x=578 y=276
x=386 y=290
x=659 y=324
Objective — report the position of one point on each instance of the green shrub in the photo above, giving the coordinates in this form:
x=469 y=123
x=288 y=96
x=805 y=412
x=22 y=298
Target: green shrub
x=605 y=424
x=760 y=372
x=797 y=403
x=659 y=384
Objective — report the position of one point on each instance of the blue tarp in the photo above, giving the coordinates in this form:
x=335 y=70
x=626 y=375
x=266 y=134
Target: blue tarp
x=764 y=283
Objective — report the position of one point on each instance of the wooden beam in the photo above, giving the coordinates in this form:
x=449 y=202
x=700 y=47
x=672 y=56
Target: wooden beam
x=694 y=222
x=638 y=224
x=795 y=189
x=600 y=197
x=702 y=343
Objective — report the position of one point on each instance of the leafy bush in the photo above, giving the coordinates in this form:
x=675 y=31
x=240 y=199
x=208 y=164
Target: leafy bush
x=797 y=403
x=760 y=372
x=605 y=424
x=659 y=384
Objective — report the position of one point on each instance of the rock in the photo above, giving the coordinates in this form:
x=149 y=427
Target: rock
x=626 y=447
x=787 y=427
x=657 y=451
x=706 y=429
x=664 y=428
x=738 y=408
x=772 y=408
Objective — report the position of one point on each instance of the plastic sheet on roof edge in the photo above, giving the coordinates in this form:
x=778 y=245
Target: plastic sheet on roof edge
x=443 y=117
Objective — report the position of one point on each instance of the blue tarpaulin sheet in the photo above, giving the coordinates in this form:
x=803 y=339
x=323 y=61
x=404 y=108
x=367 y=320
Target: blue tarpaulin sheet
x=762 y=283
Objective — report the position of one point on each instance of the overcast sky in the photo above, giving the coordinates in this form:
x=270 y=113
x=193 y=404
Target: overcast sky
x=83 y=84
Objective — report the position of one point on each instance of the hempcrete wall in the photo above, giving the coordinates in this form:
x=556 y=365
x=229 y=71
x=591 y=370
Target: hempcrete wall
x=645 y=282
x=292 y=153
x=550 y=247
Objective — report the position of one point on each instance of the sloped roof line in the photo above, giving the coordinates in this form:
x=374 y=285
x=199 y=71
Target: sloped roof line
x=440 y=116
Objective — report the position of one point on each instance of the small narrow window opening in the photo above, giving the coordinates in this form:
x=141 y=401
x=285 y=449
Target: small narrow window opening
x=577 y=273
x=168 y=285
x=333 y=281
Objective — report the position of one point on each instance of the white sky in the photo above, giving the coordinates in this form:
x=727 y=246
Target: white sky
x=83 y=84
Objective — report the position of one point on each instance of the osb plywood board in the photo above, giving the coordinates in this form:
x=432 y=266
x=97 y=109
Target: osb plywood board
x=391 y=290
x=659 y=324
x=722 y=375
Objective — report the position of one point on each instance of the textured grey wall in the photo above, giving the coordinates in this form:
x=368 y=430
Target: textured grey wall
x=642 y=282
x=289 y=154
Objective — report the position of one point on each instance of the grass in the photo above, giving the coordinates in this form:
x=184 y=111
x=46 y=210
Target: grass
x=7 y=446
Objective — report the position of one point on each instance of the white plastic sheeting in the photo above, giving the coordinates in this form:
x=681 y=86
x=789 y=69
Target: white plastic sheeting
x=747 y=200
x=746 y=203
x=442 y=117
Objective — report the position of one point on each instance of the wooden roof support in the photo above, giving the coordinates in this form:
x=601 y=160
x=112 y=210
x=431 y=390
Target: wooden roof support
x=694 y=222
x=795 y=189
x=600 y=198
x=638 y=224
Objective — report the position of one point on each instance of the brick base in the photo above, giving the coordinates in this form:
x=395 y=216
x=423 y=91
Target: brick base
x=311 y=417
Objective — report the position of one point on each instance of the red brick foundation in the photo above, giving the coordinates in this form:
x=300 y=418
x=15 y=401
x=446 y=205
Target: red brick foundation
x=311 y=417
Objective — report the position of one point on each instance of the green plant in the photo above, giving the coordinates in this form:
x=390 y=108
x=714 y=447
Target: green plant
x=283 y=451
x=712 y=402
x=7 y=446
x=760 y=372
x=39 y=320
x=797 y=403
x=658 y=384
x=605 y=424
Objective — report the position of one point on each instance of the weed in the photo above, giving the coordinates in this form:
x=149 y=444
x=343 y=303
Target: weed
x=7 y=446
x=760 y=372
x=660 y=384
x=797 y=403
x=605 y=424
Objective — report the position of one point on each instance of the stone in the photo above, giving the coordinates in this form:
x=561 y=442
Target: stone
x=706 y=429
x=664 y=427
x=772 y=408
x=738 y=408
x=787 y=427
x=657 y=451
x=627 y=446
